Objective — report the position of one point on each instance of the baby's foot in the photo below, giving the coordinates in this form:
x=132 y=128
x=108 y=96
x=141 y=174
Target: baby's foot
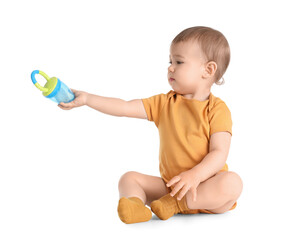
x=133 y=210
x=167 y=206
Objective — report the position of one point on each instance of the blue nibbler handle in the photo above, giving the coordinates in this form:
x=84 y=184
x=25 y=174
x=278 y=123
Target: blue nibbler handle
x=35 y=81
x=33 y=76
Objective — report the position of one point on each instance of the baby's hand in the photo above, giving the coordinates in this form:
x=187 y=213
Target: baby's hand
x=80 y=100
x=187 y=180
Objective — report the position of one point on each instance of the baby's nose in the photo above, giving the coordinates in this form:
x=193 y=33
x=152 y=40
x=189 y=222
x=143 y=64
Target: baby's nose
x=170 y=69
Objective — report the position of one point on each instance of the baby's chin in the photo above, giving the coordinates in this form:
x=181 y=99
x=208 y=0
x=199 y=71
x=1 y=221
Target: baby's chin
x=179 y=90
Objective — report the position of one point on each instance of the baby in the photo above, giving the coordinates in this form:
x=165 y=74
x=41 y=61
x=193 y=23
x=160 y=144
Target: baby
x=195 y=130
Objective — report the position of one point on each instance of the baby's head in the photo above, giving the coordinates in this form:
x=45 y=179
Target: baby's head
x=204 y=57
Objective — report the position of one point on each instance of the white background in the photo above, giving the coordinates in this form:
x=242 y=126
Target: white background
x=59 y=170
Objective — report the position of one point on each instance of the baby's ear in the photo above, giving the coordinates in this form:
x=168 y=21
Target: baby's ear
x=209 y=70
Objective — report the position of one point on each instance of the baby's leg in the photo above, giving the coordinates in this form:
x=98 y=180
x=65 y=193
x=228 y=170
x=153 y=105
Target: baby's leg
x=145 y=187
x=136 y=190
x=218 y=193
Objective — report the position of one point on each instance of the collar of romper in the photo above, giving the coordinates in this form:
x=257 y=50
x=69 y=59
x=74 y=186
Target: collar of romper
x=211 y=99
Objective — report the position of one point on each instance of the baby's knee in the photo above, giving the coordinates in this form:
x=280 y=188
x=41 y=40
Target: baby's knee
x=128 y=176
x=231 y=184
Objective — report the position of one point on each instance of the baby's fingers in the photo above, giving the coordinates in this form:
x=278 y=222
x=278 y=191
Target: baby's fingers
x=64 y=108
x=173 y=180
x=67 y=106
x=183 y=192
x=177 y=187
x=73 y=90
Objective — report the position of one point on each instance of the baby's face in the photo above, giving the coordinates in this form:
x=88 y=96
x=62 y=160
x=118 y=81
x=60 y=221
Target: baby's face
x=187 y=67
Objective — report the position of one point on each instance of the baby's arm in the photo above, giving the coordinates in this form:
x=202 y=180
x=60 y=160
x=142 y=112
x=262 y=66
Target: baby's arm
x=117 y=107
x=112 y=106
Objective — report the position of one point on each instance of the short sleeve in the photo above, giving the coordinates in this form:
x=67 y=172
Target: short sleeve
x=220 y=118
x=153 y=106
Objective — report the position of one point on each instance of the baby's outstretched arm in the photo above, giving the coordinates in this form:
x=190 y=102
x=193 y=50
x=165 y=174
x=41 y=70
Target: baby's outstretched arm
x=112 y=106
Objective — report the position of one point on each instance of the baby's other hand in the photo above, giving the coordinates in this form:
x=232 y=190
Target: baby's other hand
x=80 y=100
x=184 y=182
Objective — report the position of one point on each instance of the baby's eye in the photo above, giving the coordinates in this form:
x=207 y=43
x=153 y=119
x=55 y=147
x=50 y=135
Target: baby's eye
x=178 y=62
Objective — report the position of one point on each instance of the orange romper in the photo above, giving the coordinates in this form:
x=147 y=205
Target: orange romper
x=185 y=126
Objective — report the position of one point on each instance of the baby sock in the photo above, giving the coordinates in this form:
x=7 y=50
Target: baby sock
x=133 y=210
x=167 y=206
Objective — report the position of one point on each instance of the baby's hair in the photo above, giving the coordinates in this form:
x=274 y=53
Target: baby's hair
x=213 y=44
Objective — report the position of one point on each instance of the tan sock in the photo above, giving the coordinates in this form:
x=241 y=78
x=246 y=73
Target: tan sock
x=133 y=210
x=167 y=206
